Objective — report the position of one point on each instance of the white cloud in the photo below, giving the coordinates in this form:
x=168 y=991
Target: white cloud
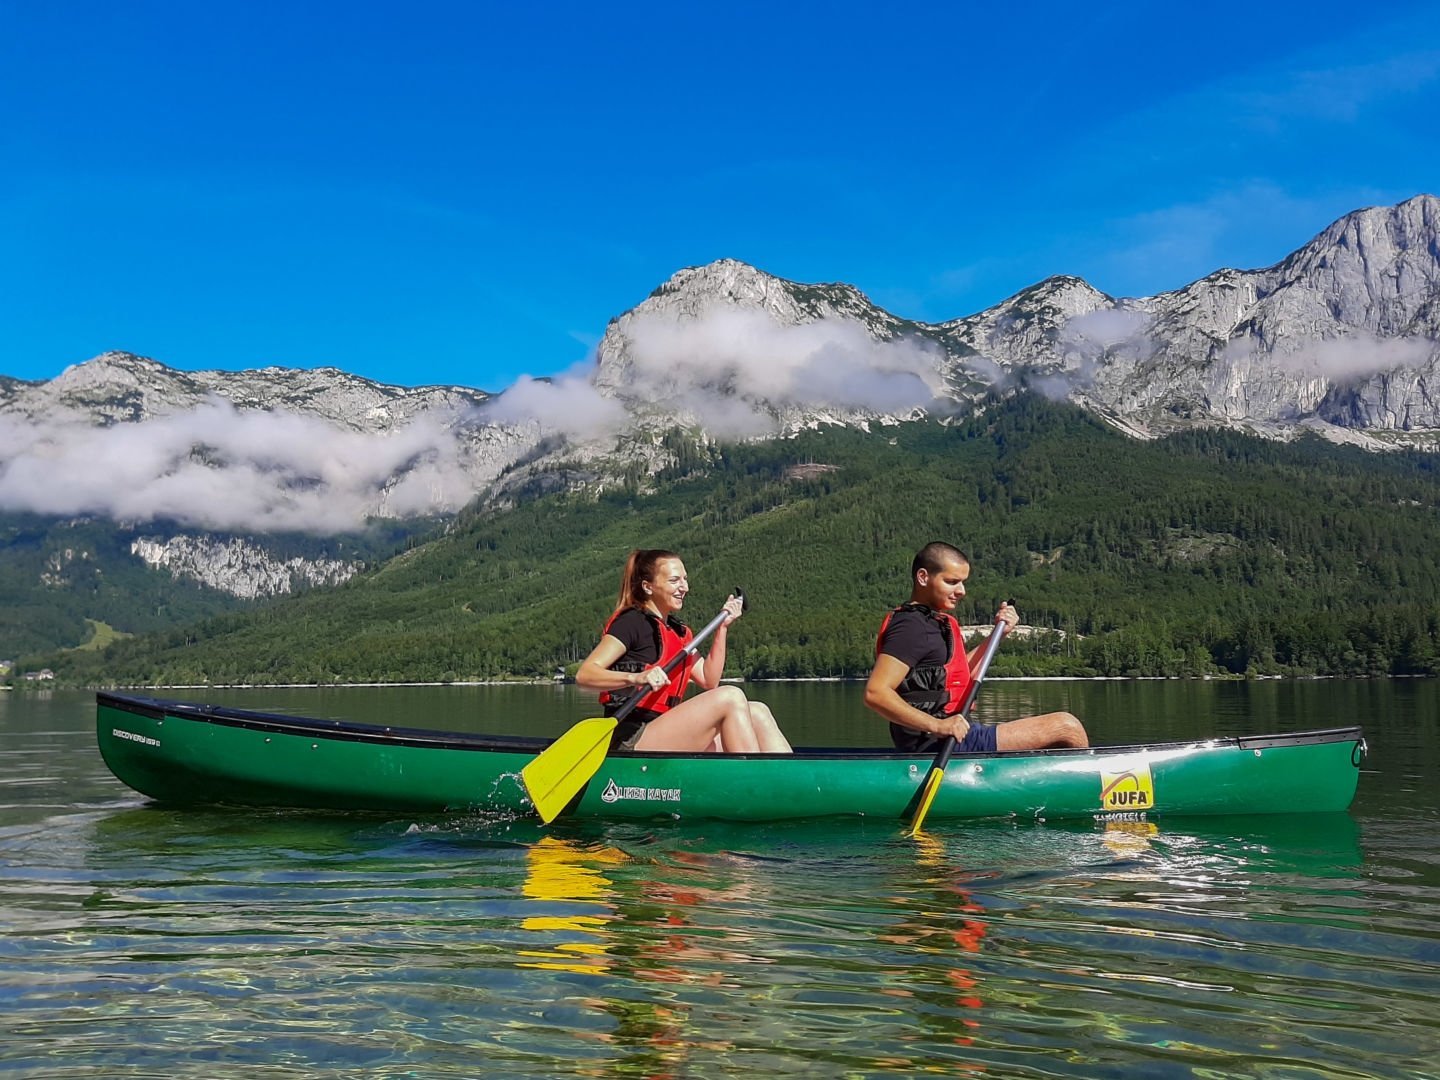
x=217 y=468
x=567 y=405
x=1087 y=339
x=1187 y=240
x=1105 y=328
x=1340 y=93
x=708 y=362
x=1355 y=356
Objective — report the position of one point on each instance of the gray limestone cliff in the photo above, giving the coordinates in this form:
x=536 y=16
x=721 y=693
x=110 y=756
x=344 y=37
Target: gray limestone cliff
x=238 y=567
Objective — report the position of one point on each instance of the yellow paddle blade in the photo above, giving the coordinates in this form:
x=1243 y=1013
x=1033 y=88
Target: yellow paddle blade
x=927 y=796
x=566 y=765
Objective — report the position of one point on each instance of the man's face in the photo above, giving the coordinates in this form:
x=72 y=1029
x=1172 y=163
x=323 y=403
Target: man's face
x=943 y=589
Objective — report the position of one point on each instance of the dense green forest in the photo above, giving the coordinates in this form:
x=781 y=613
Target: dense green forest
x=55 y=574
x=1202 y=553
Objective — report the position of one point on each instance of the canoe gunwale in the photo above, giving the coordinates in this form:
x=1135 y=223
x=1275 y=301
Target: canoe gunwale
x=352 y=731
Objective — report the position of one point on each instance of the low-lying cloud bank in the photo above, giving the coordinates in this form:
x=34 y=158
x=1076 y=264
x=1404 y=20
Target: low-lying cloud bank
x=730 y=369
x=216 y=467
x=1342 y=359
x=724 y=364
x=568 y=405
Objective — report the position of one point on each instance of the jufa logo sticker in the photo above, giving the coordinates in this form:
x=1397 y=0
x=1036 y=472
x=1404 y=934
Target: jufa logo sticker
x=1129 y=789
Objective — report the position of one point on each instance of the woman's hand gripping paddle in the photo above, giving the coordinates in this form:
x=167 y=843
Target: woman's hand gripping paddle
x=937 y=770
x=568 y=763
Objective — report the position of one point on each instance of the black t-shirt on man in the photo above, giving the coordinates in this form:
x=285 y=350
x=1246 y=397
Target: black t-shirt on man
x=915 y=639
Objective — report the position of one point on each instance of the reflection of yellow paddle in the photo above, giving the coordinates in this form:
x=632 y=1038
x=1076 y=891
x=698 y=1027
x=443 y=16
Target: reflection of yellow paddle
x=937 y=770
x=565 y=766
x=562 y=872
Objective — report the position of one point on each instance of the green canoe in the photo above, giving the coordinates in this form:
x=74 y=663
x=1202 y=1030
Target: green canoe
x=208 y=754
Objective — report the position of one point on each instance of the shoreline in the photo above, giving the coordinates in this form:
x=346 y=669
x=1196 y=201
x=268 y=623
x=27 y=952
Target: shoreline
x=733 y=681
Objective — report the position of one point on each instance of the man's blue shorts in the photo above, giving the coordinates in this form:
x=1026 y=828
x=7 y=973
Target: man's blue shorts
x=980 y=739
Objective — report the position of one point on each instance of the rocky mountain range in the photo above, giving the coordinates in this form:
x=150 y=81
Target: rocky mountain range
x=1342 y=337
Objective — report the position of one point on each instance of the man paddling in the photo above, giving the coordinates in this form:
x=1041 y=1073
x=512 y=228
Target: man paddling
x=921 y=670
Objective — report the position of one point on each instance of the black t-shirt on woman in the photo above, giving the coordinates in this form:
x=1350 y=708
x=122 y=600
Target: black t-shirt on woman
x=636 y=631
x=633 y=629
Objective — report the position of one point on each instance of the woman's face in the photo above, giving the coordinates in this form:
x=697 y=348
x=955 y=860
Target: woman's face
x=666 y=589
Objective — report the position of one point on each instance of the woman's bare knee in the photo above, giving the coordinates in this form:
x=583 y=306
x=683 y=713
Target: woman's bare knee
x=731 y=698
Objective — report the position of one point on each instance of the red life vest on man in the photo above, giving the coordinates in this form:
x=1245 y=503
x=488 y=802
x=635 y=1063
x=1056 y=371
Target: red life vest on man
x=937 y=689
x=671 y=637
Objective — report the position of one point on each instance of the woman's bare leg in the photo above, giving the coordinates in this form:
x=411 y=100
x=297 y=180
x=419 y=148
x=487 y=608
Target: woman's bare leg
x=767 y=732
x=693 y=725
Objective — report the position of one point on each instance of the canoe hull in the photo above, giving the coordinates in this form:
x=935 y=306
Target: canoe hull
x=208 y=755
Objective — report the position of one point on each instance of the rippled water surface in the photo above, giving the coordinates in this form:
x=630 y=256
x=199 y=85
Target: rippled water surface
x=137 y=941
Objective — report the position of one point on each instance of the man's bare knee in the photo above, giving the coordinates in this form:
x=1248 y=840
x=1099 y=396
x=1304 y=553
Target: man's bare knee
x=1045 y=732
x=1072 y=730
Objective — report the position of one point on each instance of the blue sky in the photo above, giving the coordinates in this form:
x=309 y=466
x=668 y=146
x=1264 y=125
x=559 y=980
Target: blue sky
x=468 y=192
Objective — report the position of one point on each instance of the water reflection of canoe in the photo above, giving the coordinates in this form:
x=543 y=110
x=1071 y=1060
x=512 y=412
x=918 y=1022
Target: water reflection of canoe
x=209 y=754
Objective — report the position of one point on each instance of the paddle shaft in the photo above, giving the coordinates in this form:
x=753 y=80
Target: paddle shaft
x=638 y=696
x=991 y=644
x=931 y=785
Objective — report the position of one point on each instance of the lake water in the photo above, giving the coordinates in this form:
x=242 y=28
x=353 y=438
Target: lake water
x=144 y=942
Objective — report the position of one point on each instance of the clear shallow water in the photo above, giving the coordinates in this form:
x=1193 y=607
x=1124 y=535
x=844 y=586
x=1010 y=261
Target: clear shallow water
x=137 y=941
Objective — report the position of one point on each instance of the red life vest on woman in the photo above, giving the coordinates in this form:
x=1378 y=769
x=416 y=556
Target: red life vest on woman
x=671 y=637
x=937 y=689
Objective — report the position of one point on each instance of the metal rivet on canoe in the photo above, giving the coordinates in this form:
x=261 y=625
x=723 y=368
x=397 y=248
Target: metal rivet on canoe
x=314 y=746
x=1257 y=753
x=267 y=738
x=978 y=767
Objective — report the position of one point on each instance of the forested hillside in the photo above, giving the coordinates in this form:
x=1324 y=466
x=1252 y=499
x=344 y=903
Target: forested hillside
x=58 y=574
x=1206 y=552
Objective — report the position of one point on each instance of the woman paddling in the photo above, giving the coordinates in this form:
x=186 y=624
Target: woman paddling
x=641 y=635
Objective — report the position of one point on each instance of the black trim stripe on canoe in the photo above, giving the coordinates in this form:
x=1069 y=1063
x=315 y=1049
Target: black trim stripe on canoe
x=351 y=731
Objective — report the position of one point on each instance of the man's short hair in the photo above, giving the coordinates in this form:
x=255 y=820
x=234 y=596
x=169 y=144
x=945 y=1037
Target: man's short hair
x=934 y=555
